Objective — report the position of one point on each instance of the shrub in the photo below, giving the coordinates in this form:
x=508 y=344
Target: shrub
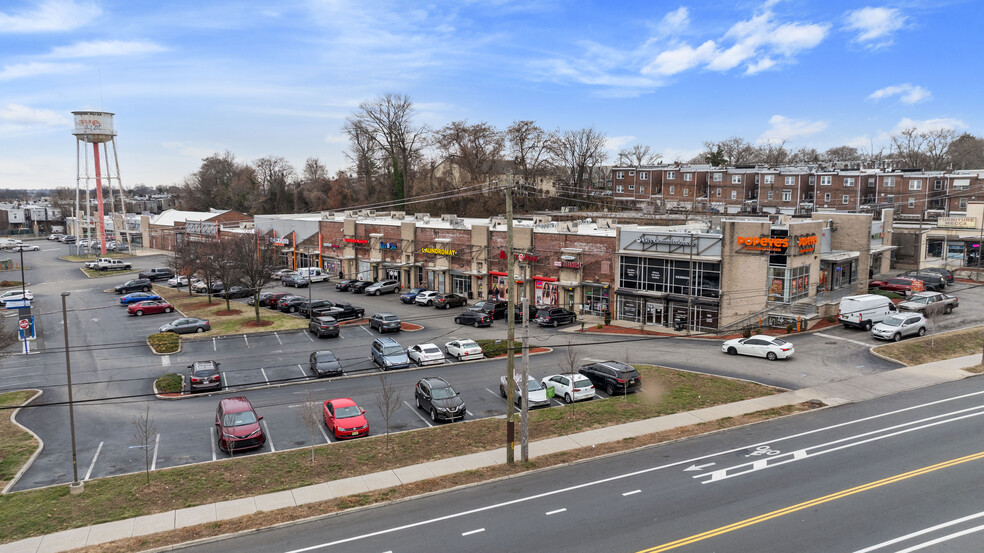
x=790 y=327
x=164 y=342
x=608 y=317
x=170 y=383
x=495 y=348
x=5 y=283
x=831 y=319
x=746 y=333
x=758 y=330
x=600 y=326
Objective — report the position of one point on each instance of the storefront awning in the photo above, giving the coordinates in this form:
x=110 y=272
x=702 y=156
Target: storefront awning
x=543 y=278
x=497 y=273
x=565 y=284
x=837 y=257
x=882 y=249
x=474 y=273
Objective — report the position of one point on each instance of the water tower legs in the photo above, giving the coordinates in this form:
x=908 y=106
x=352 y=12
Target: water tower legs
x=99 y=201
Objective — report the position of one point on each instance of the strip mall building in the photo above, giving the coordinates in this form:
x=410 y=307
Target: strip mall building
x=708 y=275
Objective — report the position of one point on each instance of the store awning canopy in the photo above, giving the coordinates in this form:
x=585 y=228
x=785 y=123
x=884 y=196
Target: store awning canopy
x=839 y=256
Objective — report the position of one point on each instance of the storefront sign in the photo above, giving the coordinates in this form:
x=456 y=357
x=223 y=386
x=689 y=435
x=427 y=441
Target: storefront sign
x=356 y=241
x=330 y=245
x=439 y=251
x=522 y=257
x=280 y=241
x=674 y=243
x=667 y=240
x=568 y=264
x=388 y=245
x=806 y=243
x=763 y=244
x=956 y=222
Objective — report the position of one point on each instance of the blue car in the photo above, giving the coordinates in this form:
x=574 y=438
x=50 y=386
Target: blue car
x=410 y=295
x=137 y=297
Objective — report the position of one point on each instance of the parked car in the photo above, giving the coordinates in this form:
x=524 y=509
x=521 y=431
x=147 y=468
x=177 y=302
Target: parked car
x=341 y=312
x=238 y=425
x=263 y=297
x=920 y=301
x=180 y=280
x=70 y=239
x=473 y=318
x=900 y=326
x=931 y=281
x=158 y=273
x=272 y=301
x=612 y=376
x=425 y=354
x=344 y=418
x=55 y=236
x=410 y=295
x=13 y=295
x=570 y=386
x=306 y=307
x=138 y=297
x=234 y=292
x=864 y=310
x=25 y=248
x=464 y=349
x=770 y=347
x=360 y=286
x=202 y=287
x=382 y=287
x=137 y=284
x=531 y=312
x=425 y=298
x=447 y=301
x=899 y=285
x=324 y=363
x=387 y=354
x=186 y=325
x=313 y=274
x=295 y=280
x=279 y=274
x=204 y=375
x=324 y=326
x=149 y=308
x=495 y=308
x=945 y=273
x=436 y=396
x=344 y=285
x=537 y=393
x=553 y=316
x=385 y=322
x=292 y=304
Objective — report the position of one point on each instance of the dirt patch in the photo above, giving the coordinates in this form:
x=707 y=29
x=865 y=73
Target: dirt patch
x=200 y=305
x=254 y=324
x=226 y=313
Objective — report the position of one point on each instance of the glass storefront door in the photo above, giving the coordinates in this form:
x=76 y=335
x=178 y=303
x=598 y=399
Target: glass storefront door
x=654 y=313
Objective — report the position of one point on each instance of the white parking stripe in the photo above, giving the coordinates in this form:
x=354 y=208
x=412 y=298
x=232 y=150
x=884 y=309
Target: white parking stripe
x=470 y=532
x=263 y=372
x=269 y=438
x=214 y=347
x=548 y=513
x=826 y=335
x=417 y=412
x=247 y=340
x=278 y=338
x=469 y=413
x=303 y=373
x=225 y=384
x=367 y=330
x=166 y=361
x=211 y=433
x=93 y=463
x=308 y=334
x=491 y=392
x=633 y=492
x=321 y=427
x=157 y=442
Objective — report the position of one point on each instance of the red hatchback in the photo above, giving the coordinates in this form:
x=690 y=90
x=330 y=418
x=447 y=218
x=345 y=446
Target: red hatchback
x=900 y=285
x=149 y=308
x=238 y=425
x=345 y=419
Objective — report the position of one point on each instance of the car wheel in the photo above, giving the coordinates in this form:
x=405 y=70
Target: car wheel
x=146 y=288
x=167 y=309
x=949 y=309
x=416 y=397
x=460 y=357
x=502 y=391
x=897 y=337
x=771 y=356
x=867 y=326
x=139 y=313
x=922 y=331
x=568 y=398
x=476 y=324
x=457 y=320
x=433 y=414
x=732 y=351
x=199 y=330
x=293 y=310
x=610 y=389
x=555 y=324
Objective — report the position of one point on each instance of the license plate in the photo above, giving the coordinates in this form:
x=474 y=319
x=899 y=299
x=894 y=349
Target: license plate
x=632 y=381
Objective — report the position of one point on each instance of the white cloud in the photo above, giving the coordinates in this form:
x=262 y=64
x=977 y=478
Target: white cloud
x=34 y=68
x=929 y=124
x=103 y=48
x=784 y=128
x=671 y=62
x=907 y=93
x=674 y=22
x=24 y=116
x=874 y=26
x=615 y=143
x=50 y=15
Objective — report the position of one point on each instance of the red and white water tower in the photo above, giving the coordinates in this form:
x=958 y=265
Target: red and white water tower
x=96 y=128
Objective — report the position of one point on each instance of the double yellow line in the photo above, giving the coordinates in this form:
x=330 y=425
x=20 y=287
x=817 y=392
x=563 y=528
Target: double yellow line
x=811 y=503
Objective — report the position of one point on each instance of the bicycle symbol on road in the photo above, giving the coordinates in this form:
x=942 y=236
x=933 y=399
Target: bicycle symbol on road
x=763 y=450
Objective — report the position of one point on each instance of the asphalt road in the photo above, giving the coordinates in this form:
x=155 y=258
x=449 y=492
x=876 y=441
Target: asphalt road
x=113 y=371
x=900 y=473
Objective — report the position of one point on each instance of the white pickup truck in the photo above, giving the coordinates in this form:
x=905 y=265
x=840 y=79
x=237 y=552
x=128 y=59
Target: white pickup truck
x=107 y=264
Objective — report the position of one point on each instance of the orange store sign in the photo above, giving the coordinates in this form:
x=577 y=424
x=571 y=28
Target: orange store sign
x=806 y=244
x=762 y=243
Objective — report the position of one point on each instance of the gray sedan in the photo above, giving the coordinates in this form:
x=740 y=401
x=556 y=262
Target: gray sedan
x=186 y=325
x=900 y=326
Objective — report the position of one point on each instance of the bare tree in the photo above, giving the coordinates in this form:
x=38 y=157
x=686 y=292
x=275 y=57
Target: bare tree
x=227 y=270
x=364 y=153
x=732 y=151
x=388 y=402
x=569 y=362
x=312 y=418
x=529 y=146
x=277 y=182
x=638 y=155
x=256 y=263
x=773 y=154
x=208 y=265
x=144 y=436
x=933 y=313
x=184 y=258
x=841 y=153
x=475 y=149
x=805 y=155
x=579 y=152
x=966 y=152
x=389 y=122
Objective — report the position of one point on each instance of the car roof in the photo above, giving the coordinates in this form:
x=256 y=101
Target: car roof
x=387 y=341
x=436 y=382
x=342 y=402
x=325 y=318
x=236 y=404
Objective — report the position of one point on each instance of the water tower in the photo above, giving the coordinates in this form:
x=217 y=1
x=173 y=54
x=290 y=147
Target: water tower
x=96 y=128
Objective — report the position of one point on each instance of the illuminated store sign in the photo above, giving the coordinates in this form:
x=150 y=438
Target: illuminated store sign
x=439 y=251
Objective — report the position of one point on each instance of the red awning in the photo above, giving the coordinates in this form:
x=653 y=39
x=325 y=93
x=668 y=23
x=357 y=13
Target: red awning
x=543 y=278
x=497 y=273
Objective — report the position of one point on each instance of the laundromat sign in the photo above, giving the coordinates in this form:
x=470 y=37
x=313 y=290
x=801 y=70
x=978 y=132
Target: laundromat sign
x=439 y=251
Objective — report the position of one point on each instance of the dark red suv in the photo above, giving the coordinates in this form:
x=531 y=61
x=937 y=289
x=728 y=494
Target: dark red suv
x=238 y=425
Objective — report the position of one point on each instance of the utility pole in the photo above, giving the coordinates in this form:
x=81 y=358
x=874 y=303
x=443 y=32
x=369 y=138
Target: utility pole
x=76 y=485
x=919 y=252
x=980 y=251
x=524 y=447
x=690 y=287
x=511 y=332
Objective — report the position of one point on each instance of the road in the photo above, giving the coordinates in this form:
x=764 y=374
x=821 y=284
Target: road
x=895 y=474
x=113 y=371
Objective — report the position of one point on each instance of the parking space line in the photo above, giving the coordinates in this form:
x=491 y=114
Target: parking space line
x=491 y=392
x=278 y=338
x=165 y=360
x=211 y=433
x=321 y=427
x=263 y=372
x=157 y=442
x=308 y=334
x=560 y=403
x=633 y=492
x=247 y=340
x=214 y=347
x=469 y=413
x=417 y=412
x=266 y=431
x=303 y=374
x=93 y=463
x=554 y=512
x=366 y=329
x=225 y=386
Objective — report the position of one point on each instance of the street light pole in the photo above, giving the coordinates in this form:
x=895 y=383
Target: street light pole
x=76 y=485
x=690 y=288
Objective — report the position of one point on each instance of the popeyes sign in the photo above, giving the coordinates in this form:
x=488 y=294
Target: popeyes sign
x=763 y=243
x=806 y=243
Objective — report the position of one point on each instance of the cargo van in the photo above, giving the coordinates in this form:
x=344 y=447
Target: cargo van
x=865 y=310
x=313 y=274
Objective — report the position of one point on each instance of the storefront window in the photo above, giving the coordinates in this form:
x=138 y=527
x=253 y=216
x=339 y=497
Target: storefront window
x=461 y=284
x=595 y=300
x=786 y=285
x=672 y=276
x=630 y=309
x=955 y=250
x=934 y=248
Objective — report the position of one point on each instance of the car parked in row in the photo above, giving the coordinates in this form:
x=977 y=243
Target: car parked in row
x=926 y=302
x=25 y=248
x=344 y=285
x=203 y=287
x=382 y=287
x=410 y=295
x=770 y=347
x=388 y=354
x=279 y=274
x=570 y=386
x=553 y=316
x=291 y=304
x=187 y=325
x=149 y=308
x=900 y=326
x=307 y=307
x=360 y=286
x=464 y=349
x=324 y=326
x=474 y=318
x=447 y=301
x=324 y=363
x=261 y=298
x=234 y=292
x=137 y=297
x=536 y=392
x=134 y=285
x=945 y=273
x=345 y=418
x=425 y=298
x=15 y=295
x=204 y=375
x=272 y=300
x=238 y=425
x=425 y=354
x=385 y=322
x=612 y=376
x=181 y=280
x=438 y=398
x=900 y=285
x=295 y=280
x=494 y=308
x=341 y=311
x=157 y=273
x=931 y=281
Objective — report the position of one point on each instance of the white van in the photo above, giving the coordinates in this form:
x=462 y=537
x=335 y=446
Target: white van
x=313 y=274
x=865 y=310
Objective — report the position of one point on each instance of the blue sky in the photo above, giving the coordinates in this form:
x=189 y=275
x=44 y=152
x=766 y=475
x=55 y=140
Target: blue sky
x=189 y=79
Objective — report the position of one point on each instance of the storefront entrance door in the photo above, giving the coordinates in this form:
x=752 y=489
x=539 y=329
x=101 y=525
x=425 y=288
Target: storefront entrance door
x=654 y=313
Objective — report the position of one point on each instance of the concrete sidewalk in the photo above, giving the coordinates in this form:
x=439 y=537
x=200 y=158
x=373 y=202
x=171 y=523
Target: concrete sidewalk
x=835 y=393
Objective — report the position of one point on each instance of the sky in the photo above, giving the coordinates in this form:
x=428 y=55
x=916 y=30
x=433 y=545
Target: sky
x=190 y=79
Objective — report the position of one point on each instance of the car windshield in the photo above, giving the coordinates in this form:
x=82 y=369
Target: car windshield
x=894 y=321
x=432 y=350
x=326 y=357
x=919 y=300
x=533 y=385
x=444 y=393
x=239 y=419
x=347 y=412
x=392 y=350
x=468 y=344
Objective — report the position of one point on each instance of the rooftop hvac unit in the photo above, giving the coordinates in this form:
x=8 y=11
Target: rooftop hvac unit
x=421 y=216
x=567 y=226
x=398 y=214
x=448 y=217
x=605 y=223
x=327 y=214
x=351 y=214
x=540 y=219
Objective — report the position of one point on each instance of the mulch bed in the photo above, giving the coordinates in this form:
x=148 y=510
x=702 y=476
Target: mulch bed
x=611 y=329
x=224 y=313
x=520 y=353
x=254 y=324
x=410 y=326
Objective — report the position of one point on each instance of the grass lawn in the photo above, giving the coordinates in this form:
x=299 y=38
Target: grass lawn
x=52 y=509
x=935 y=347
x=93 y=273
x=241 y=319
x=16 y=445
x=93 y=256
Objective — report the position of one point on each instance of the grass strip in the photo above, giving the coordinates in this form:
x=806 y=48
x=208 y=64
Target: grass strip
x=16 y=445
x=240 y=319
x=935 y=347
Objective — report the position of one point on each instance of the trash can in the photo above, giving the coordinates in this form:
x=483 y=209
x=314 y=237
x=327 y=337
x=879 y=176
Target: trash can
x=678 y=325
x=470 y=296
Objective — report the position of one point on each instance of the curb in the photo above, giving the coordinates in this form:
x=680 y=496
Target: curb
x=155 y=352
x=170 y=395
x=37 y=452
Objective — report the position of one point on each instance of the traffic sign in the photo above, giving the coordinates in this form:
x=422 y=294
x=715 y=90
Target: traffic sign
x=24 y=324
x=17 y=304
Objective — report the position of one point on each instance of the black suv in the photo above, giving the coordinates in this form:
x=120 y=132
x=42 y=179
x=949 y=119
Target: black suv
x=159 y=273
x=204 y=376
x=344 y=285
x=292 y=304
x=497 y=309
x=324 y=363
x=135 y=285
x=553 y=316
x=324 y=326
x=932 y=281
x=435 y=396
x=612 y=376
x=341 y=311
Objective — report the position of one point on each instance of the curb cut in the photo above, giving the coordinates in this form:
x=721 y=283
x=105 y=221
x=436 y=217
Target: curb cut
x=37 y=452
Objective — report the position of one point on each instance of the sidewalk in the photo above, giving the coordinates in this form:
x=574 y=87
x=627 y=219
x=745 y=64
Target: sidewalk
x=835 y=393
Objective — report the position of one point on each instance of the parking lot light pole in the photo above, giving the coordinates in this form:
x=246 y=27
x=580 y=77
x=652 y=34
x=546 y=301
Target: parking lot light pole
x=76 y=486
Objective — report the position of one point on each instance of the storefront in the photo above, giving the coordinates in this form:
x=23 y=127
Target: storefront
x=461 y=283
x=838 y=270
x=596 y=300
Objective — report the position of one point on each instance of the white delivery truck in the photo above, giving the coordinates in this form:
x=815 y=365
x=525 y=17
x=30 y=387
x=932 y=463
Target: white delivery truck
x=865 y=310
x=313 y=274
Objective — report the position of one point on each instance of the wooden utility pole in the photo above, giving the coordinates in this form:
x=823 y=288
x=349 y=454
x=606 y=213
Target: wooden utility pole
x=524 y=447
x=511 y=332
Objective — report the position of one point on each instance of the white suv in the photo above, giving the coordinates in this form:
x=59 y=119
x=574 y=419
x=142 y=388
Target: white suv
x=425 y=298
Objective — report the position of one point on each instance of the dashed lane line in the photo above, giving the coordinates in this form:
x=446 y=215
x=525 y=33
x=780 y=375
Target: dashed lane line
x=557 y=511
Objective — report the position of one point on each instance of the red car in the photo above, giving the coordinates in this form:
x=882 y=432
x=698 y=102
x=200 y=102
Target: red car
x=149 y=308
x=900 y=285
x=238 y=425
x=345 y=419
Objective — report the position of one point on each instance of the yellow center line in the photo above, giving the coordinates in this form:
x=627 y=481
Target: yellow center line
x=811 y=503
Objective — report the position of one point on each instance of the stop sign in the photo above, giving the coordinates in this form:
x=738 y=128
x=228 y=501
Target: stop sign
x=24 y=324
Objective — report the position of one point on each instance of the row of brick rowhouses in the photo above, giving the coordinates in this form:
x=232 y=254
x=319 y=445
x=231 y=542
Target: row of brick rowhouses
x=795 y=190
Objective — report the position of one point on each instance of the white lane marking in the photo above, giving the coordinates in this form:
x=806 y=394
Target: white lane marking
x=211 y=433
x=616 y=477
x=308 y=334
x=470 y=532
x=225 y=384
x=157 y=443
x=278 y=338
x=93 y=463
x=269 y=438
x=548 y=513
x=846 y=340
x=469 y=413
x=263 y=372
x=491 y=392
x=247 y=340
x=300 y=368
x=633 y=492
x=698 y=467
x=918 y=533
x=321 y=427
x=366 y=329
x=214 y=347
x=417 y=412
x=166 y=361
x=942 y=539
